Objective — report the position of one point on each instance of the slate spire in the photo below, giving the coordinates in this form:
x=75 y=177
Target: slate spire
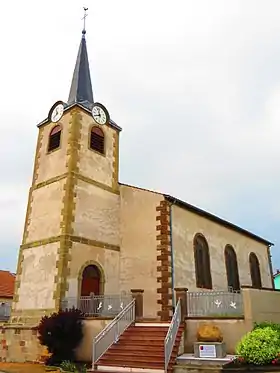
x=81 y=89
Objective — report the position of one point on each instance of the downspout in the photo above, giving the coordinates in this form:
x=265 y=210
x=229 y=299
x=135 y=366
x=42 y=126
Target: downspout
x=172 y=259
x=270 y=265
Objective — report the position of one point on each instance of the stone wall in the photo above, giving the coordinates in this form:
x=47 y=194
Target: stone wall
x=19 y=344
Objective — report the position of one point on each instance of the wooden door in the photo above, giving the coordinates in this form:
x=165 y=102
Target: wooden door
x=90 y=281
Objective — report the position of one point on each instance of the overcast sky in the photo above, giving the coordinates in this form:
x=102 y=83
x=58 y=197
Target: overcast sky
x=195 y=85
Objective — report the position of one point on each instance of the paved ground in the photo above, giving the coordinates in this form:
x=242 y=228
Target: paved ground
x=23 y=368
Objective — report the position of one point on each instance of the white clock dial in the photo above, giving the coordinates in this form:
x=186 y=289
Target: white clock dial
x=100 y=114
x=57 y=113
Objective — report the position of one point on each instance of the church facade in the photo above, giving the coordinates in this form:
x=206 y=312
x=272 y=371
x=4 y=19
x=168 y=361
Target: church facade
x=85 y=232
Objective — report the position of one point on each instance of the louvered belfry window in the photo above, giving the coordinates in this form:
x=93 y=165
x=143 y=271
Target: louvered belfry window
x=54 y=139
x=97 y=140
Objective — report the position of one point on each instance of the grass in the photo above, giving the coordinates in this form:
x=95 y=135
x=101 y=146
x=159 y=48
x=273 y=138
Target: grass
x=24 y=368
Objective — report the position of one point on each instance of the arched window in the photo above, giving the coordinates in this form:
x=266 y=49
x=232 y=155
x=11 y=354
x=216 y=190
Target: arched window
x=255 y=271
x=54 y=139
x=202 y=262
x=97 y=140
x=232 y=268
x=90 y=281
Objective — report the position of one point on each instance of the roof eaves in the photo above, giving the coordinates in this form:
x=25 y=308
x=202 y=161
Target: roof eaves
x=216 y=219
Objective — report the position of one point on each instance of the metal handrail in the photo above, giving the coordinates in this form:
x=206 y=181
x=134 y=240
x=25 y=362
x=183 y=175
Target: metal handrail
x=171 y=334
x=111 y=333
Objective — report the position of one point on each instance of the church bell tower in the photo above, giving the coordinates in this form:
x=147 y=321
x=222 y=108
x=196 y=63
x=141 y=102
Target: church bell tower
x=72 y=217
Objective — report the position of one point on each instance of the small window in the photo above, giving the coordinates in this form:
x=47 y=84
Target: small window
x=54 y=139
x=97 y=140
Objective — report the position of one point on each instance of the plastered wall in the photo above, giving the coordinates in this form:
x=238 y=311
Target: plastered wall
x=92 y=164
x=186 y=224
x=107 y=260
x=45 y=212
x=52 y=164
x=37 y=279
x=138 y=256
x=97 y=214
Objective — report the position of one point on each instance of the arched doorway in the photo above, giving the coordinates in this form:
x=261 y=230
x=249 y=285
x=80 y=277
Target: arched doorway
x=90 y=281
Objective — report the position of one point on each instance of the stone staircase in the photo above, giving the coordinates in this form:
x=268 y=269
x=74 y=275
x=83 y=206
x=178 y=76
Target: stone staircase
x=140 y=349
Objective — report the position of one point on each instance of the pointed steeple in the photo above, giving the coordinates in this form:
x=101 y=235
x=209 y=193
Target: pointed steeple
x=81 y=89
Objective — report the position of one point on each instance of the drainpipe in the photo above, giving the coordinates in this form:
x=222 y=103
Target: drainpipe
x=172 y=259
x=270 y=265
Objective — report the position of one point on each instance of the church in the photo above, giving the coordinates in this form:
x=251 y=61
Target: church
x=85 y=232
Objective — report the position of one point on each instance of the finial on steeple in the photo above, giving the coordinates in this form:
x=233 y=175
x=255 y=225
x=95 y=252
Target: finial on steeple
x=84 y=19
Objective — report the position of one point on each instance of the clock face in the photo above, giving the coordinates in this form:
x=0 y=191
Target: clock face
x=100 y=114
x=57 y=112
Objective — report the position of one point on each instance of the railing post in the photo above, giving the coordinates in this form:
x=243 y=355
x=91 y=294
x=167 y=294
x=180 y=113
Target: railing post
x=137 y=294
x=181 y=293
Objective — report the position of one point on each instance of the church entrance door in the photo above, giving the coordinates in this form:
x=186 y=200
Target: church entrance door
x=90 y=281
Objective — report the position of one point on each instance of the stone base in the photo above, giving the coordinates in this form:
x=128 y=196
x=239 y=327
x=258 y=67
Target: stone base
x=19 y=344
x=212 y=350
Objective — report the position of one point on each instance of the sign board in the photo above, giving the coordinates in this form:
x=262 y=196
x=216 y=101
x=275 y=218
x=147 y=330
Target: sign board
x=207 y=351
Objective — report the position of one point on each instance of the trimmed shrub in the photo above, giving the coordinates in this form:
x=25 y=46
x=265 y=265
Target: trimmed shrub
x=259 y=347
x=61 y=333
x=266 y=324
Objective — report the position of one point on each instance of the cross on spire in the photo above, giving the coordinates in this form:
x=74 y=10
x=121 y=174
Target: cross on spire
x=84 y=19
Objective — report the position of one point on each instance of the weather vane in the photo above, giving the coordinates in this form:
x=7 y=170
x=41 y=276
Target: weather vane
x=84 y=18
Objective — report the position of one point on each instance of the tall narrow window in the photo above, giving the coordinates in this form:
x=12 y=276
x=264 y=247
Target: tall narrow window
x=202 y=262
x=232 y=268
x=97 y=140
x=54 y=139
x=255 y=271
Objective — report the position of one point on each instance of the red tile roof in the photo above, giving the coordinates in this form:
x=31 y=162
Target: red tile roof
x=7 y=283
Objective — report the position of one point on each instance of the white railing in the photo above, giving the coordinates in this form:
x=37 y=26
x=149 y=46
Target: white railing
x=215 y=303
x=98 y=305
x=5 y=311
x=171 y=334
x=111 y=333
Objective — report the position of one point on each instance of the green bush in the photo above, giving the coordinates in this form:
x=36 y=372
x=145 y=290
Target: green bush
x=260 y=347
x=68 y=366
x=266 y=324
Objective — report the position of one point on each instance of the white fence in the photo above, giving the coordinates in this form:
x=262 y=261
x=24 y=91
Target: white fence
x=215 y=304
x=5 y=311
x=98 y=305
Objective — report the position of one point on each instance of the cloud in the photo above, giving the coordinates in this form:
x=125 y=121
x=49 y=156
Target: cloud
x=194 y=84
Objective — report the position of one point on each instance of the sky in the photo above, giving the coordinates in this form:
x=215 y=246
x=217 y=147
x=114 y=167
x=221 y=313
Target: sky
x=195 y=85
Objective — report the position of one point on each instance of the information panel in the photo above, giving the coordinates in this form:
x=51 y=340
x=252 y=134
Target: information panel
x=207 y=351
